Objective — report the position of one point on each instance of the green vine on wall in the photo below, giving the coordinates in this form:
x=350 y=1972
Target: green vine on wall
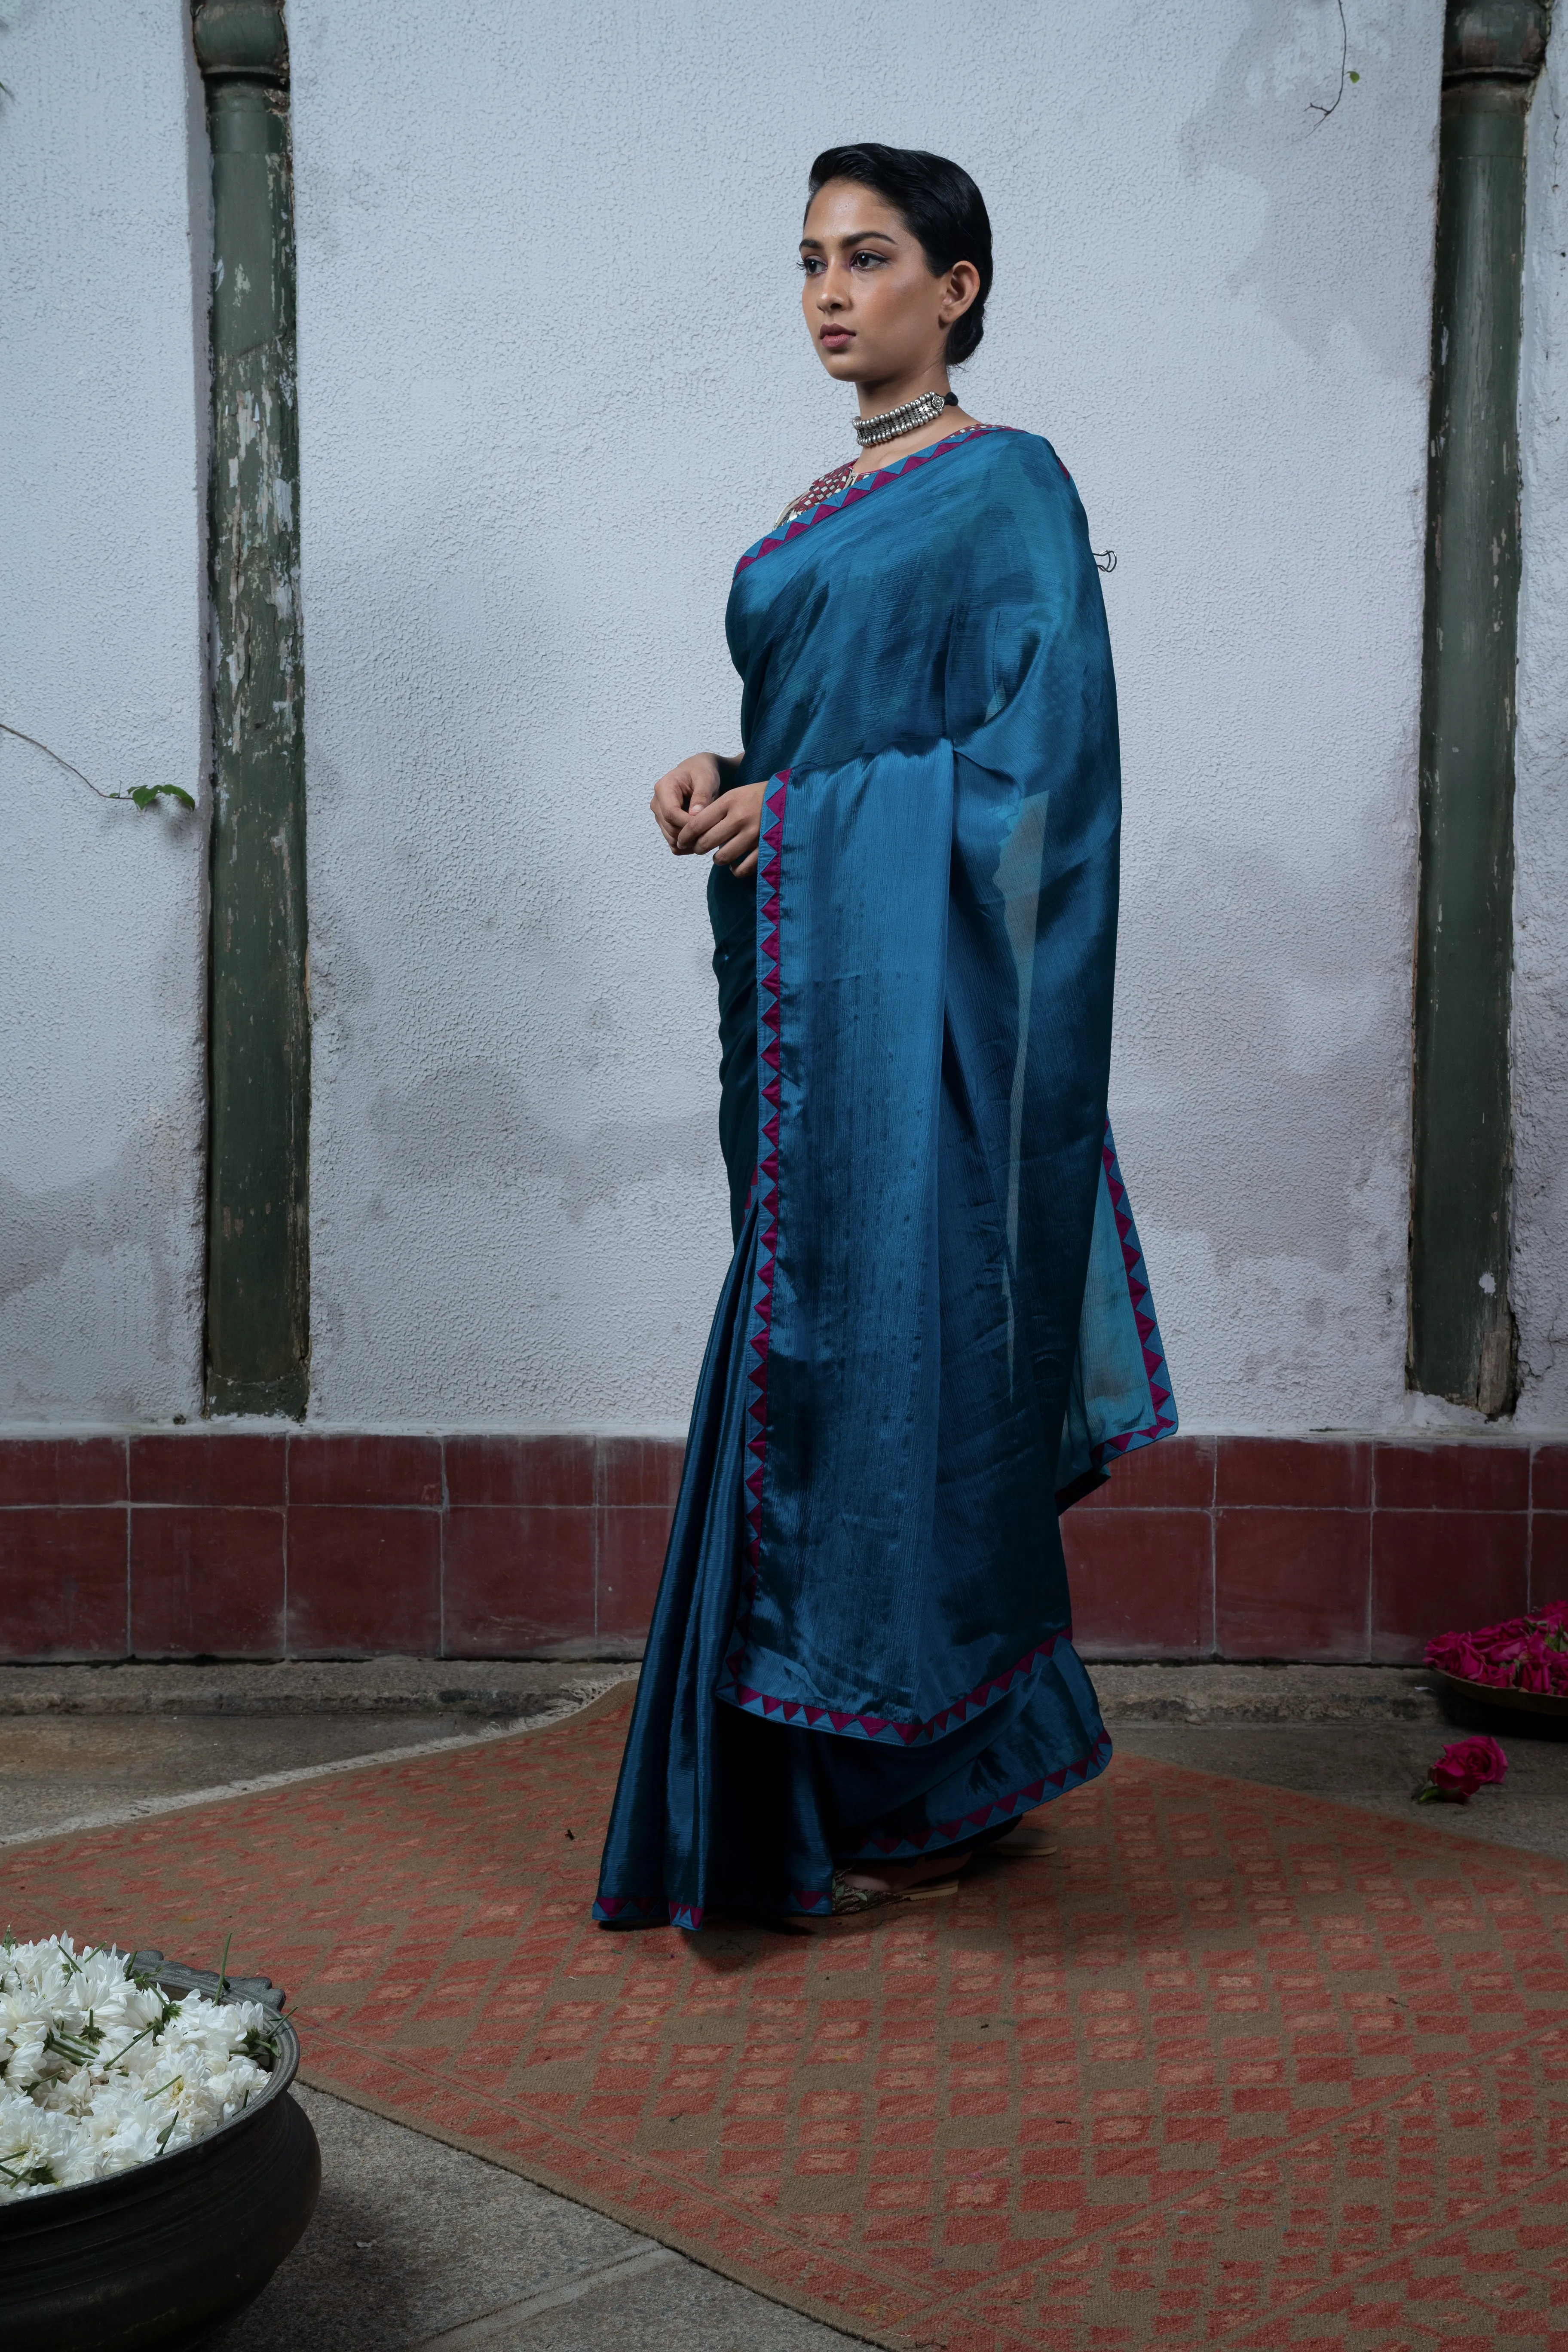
x=142 y=796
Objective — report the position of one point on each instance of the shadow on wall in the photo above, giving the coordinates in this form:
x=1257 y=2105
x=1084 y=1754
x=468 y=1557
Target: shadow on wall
x=1287 y=1062
x=1280 y=115
x=99 y=1320
x=472 y=1124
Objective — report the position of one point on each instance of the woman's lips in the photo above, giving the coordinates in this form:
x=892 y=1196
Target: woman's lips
x=836 y=338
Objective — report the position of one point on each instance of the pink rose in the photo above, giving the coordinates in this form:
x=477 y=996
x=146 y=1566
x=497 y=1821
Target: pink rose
x=1461 y=1769
x=1522 y=1654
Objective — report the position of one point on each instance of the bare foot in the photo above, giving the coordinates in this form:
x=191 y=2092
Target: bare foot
x=898 y=1877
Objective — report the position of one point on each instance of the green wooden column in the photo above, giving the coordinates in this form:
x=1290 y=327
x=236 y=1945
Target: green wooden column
x=1462 y=1337
x=257 y=1335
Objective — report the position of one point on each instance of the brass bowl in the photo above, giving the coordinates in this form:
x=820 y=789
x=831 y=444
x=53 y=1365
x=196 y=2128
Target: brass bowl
x=160 y=2258
x=1522 y=1702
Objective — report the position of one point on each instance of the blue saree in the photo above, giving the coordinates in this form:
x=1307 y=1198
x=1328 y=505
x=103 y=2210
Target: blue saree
x=936 y=1331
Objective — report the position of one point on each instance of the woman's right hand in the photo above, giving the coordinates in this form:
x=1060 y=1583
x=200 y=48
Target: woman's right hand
x=692 y=786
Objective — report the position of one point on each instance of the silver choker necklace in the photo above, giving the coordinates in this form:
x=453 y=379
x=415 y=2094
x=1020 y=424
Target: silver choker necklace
x=924 y=409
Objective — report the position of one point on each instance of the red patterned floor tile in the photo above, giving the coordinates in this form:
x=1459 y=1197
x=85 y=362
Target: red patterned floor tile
x=1121 y=2006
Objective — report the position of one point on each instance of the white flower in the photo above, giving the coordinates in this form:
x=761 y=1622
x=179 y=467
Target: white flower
x=99 y=2073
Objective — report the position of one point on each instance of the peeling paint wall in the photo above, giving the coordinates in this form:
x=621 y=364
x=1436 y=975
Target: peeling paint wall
x=1541 y=817
x=102 y=916
x=553 y=381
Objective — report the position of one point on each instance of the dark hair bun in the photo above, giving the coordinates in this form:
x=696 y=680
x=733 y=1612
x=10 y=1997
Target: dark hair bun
x=939 y=203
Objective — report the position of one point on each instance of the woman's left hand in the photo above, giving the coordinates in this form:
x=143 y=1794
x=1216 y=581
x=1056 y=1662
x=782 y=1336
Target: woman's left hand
x=730 y=827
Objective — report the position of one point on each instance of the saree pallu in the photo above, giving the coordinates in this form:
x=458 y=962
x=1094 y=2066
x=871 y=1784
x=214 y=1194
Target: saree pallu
x=936 y=1327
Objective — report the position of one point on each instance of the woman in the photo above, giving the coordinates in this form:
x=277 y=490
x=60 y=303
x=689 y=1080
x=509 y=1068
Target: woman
x=860 y=1667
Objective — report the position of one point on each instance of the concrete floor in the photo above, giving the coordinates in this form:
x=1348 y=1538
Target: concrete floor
x=1379 y=1766
x=418 y=2245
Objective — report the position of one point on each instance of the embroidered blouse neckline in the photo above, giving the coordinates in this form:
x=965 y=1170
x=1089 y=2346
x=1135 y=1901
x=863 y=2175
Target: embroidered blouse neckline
x=820 y=500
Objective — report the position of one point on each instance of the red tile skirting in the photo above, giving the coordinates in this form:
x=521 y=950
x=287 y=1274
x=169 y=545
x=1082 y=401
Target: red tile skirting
x=1294 y=1473
x=62 y=1470
x=1548 y=1556
x=205 y=1470
x=1453 y=1478
x=1142 y=1582
x=1549 y=1478
x=206 y=1580
x=518 y=1579
x=325 y=1544
x=350 y=1470
x=1292 y=1582
x=361 y=1581
x=630 y=1538
x=1176 y=1476
x=1460 y=1568
x=555 y=1472
x=63 y=1579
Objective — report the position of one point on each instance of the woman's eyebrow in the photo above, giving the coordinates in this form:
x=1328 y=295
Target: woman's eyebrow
x=856 y=236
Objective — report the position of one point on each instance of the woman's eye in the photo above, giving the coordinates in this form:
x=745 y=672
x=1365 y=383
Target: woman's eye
x=865 y=256
x=809 y=264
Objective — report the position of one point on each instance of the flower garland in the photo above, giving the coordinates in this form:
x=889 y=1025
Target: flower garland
x=101 y=2070
x=1527 y=1654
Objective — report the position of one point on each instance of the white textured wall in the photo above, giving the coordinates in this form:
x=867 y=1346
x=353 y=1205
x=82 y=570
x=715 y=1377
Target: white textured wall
x=1541 y=823
x=553 y=379
x=101 y=920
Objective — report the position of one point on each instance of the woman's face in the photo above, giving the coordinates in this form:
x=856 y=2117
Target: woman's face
x=876 y=312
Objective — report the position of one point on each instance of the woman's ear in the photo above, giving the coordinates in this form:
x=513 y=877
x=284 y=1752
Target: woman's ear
x=962 y=286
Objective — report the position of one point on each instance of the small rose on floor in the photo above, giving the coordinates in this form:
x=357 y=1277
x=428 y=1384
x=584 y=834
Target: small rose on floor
x=1460 y=1770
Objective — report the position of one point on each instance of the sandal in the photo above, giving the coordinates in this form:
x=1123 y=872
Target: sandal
x=848 y=1900
x=1023 y=1845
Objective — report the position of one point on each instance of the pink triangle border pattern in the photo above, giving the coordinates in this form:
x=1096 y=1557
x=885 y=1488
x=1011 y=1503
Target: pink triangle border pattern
x=1160 y=1396
x=816 y=1717
x=1000 y=1808
x=659 y=1911
x=861 y=487
x=759 y=1328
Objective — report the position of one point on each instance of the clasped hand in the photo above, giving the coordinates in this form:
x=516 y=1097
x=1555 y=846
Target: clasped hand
x=702 y=811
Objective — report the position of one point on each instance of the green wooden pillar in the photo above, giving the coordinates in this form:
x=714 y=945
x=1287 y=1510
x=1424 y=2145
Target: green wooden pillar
x=1462 y=1337
x=257 y=1333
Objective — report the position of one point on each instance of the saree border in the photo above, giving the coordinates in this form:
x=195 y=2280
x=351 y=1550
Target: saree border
x=861 y=487
x=660 y=1911
x=814 y=1901
x=765 y=1183
x=815 y=1717
x=1083 y=1768
x=1161 y=1397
